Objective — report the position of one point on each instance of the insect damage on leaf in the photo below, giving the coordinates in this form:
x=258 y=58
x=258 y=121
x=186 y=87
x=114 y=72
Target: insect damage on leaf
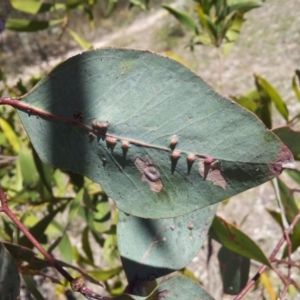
x=212 y=172
x=284 y=160
x=149 y=174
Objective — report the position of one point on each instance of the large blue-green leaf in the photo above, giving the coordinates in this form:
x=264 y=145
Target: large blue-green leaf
x=153 y=248
x=148 y=101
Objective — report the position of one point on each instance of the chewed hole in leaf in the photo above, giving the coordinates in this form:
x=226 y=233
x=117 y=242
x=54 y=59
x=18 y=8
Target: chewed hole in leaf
x=149 y=174
x=212 y=172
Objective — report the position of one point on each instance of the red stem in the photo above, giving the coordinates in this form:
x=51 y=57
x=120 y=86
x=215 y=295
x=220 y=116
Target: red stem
x=271 y=258
x=82 y=289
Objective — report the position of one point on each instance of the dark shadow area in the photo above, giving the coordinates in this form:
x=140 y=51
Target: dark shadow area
x=152 y=272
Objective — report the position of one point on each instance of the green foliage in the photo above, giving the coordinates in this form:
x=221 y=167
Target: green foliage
x=9 y=276
x=235 y=240
x=140 y=96
x=215 y=22
x=234 y=271
x=138 y=117
x=46 y=15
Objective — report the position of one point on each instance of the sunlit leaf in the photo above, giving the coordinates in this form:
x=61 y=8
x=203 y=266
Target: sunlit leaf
x=31 y=6
x=273 y=95
x=29 y=25
x=142 y=99
x=10 y=135
x=295 y=84
x=184 y=18
x=80 y=41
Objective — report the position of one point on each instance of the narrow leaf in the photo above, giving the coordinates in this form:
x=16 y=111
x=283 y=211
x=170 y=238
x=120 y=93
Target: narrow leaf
x=9 y=276
x=274 y=96
x=29 y=25
x=237 y=241
x=295 y=85
x=266 y=282
x=80 y=41
x=10 y=135
x=234 y=271
x=31 y=6
x=38 y=229
x=184 y=18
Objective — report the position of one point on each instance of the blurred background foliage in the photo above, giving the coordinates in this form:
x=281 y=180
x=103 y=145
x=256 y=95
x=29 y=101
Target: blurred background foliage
x=67 y=213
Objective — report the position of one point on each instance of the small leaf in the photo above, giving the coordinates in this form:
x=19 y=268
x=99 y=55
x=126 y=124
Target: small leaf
x=65 y=248
x=79 y=40
x=31 y=286
x=29 y=171
x=179 y=288
x=237 y=241
x=103 y=275
x=290 y=210
x=110 y=8
x=273 y=95
x=31 y=6
x=244 y=6
x=266 y=282
x=74 y=206
x=150 y=248
x=291 y=138
x=39 y=228
x=29 y=25
x=184 y=18
x=295 y=84
x=234 y=271
x=9 y=276
x=10 y=135
x=86 y=244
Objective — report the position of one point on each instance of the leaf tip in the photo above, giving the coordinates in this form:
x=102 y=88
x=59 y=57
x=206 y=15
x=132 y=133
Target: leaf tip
x=284 y=160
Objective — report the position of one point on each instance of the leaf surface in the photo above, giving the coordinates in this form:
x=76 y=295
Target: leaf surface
x=9 y=276
x=235 y=240
x=153 y=248
x=291 y=138
x=178 y=288
x=146 y=101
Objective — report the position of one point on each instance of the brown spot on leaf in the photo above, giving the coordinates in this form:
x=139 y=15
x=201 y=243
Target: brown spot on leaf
x=161 y=295
x=284 y=160
x=212 y=172
x=149 y=174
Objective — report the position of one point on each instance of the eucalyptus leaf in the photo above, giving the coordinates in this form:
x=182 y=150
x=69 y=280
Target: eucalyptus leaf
x=291 y=138
x=153 y=248
x=148 y=105
x=178 y=288
x=235 y=240
x=23 y=25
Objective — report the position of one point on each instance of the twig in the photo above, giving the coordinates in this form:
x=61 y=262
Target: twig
x=77 y=284
x=251 y=283
x=221 y=62
x=281 y=261
x=99 y=130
